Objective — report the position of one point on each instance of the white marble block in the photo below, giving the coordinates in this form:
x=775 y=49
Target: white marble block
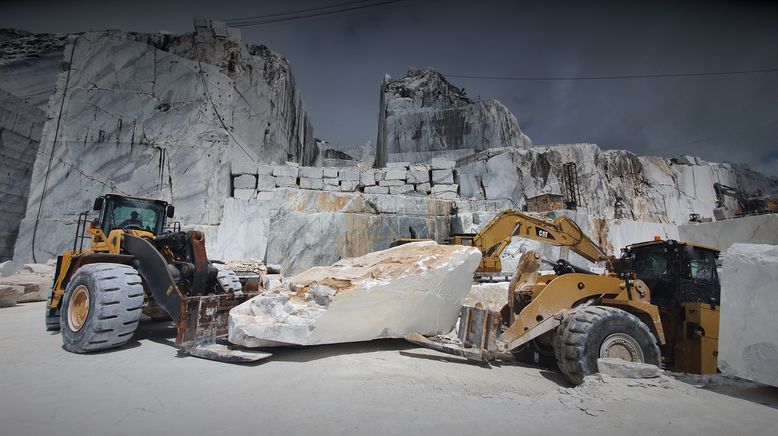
x=416 y=287
x=748 y=328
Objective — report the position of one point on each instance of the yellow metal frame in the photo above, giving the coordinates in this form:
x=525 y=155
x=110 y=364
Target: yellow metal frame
x=99 y=243
x=562 y=231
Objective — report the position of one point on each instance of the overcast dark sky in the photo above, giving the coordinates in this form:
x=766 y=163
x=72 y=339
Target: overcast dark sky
x=339 y=61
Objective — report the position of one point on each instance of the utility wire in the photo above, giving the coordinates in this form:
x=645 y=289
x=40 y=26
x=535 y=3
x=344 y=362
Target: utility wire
x=259 y=22
x=615 y=77
x=258 y=17
x=53 y=145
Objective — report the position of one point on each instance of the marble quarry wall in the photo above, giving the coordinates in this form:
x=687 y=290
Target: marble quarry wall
x=20 y=130
x=29 y=65
x=162 y=116
x=300 y=228
x=218 y=128
x=422 y=116
x=651 y=189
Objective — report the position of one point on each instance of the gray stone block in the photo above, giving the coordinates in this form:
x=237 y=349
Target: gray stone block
x=265 y=170
x=350 y=175
x=244 y=194
x=284 y=182
x=331 y=187
x=245 y=181
x=285 y=171
x=442 y=164
x=376 y=190
x=265 y=182
x=423 y=187
x=330 y=172
x=620 y=368
x=331 y=182
x=442 y=176
x=367 y=178
x=391 y=183
x=418 y=176
x=446 y=195
x=348 y=185
x=396 y=174
x=310 y=183
x=444 y=188
x=310 y=173
x=379 y=174
x=400 y=189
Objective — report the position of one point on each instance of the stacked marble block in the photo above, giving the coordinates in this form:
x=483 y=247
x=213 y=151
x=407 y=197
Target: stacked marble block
x=436 y=179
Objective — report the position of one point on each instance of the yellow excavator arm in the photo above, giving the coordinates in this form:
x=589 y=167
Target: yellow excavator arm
x=495 y=236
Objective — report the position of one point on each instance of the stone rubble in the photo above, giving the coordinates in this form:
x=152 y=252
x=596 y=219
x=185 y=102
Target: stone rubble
x=31 y=282
x=416 y=287
x=620 y=368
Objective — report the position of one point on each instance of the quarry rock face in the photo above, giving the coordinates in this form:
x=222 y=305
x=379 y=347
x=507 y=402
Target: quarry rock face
x=614 y=184
x=422 y=116
x=298 y=229
x=161 y=116
x=29 y=65
x=415 y=287
x=748 y=346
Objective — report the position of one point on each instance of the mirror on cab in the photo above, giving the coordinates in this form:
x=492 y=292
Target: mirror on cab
x=171 y=210
x=98 y=203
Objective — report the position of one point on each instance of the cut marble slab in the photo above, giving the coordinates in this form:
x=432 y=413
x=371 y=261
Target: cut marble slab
x=416 y=287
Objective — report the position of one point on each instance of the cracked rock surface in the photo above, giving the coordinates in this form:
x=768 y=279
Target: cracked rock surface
x=416 y=287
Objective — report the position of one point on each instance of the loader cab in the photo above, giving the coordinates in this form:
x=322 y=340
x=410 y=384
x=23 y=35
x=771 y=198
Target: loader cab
x=676 y=272
x=132 y=213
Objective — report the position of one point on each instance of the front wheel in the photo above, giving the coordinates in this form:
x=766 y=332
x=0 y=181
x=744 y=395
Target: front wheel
x=101 y=307
x=589 y=333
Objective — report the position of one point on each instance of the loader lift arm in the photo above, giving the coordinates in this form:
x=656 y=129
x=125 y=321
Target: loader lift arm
x=562 y=231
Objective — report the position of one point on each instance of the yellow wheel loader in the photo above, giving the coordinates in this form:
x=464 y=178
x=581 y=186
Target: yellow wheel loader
x=136 y=264
x=657 y=304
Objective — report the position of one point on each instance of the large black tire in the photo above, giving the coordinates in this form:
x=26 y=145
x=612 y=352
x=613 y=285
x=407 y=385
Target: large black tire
x=115 y=300
x=591 y=332
x=228 y=279
x=52 y=322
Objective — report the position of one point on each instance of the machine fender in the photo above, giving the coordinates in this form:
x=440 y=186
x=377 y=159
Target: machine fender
x=153 y=268
x=67 y=266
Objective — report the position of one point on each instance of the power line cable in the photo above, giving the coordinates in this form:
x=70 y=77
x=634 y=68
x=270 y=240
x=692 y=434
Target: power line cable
x=53 y=145
x=249 y=23
x=258 y=17
x=615 y=77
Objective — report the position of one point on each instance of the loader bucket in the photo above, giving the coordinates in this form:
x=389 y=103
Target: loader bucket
x=477 y=336
x=202 y=328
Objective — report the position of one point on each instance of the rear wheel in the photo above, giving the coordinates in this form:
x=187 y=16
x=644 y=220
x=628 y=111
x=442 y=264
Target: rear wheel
x=101 y=307
x=589 y=333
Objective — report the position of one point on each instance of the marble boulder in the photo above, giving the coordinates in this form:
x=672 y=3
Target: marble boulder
x=748 y=346
x=416 y=287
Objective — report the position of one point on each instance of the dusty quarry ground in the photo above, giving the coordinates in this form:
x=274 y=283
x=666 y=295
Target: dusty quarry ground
x=379 y=388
